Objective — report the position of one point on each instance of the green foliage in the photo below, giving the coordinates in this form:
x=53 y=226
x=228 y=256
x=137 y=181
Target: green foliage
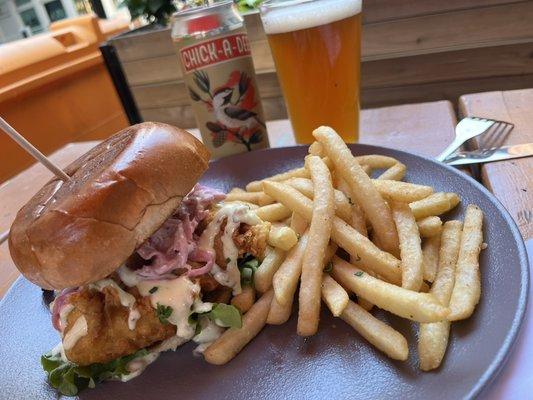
x=69 y=379
x=156 y=11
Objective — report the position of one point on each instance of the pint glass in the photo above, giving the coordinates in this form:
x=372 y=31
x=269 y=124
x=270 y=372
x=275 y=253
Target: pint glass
x=316 y=45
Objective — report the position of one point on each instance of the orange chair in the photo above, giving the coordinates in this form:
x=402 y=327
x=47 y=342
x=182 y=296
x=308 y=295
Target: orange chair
x=55 y=89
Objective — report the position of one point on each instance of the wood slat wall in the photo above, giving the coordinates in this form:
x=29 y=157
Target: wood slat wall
x=413 y=50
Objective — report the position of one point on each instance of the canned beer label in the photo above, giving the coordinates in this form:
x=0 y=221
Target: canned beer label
x=220 y=78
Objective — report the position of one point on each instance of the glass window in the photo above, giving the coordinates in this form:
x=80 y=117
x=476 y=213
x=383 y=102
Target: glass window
x=83 y=6
x=29 y=17
x=55 y=10
x=21 y=2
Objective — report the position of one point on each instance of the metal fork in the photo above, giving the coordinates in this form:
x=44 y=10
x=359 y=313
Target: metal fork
x=470 y=127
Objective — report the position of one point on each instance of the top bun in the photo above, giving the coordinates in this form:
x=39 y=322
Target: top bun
x=77 y=232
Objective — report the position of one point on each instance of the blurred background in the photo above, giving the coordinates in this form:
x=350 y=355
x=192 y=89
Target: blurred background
x=76 y=70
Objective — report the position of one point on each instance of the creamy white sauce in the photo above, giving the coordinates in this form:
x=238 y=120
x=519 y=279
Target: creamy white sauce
x=137 y=366
x=234 y=214
x=179 y=294
x=78 y=330
x=63 y=315
x=126 y=300
x=210 y=332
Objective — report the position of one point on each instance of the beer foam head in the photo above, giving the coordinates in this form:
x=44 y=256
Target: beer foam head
x=296 y=15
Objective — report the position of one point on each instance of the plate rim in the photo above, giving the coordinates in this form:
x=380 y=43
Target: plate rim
x=503 y=354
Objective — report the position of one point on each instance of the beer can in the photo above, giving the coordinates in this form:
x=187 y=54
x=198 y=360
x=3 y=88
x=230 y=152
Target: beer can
x=214 y=53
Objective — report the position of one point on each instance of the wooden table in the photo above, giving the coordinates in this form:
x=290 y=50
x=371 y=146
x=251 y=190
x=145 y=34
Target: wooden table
x=421 y=128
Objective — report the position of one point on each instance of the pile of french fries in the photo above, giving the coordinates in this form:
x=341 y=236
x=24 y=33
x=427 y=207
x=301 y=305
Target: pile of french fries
x=402 y=257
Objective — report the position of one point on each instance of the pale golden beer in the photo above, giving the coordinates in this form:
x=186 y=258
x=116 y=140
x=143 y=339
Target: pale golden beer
x=316 y=45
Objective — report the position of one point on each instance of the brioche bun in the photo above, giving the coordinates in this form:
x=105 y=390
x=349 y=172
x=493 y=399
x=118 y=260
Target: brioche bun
x=77 y=232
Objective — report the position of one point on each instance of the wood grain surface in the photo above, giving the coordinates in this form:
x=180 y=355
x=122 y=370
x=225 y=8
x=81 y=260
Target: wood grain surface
x=421 y=128
x=511 y=181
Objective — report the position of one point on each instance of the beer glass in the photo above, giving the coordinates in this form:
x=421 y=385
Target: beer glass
x=316 y=45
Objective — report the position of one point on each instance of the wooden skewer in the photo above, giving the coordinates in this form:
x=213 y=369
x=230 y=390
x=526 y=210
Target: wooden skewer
x=22 y=142
x=4 y=236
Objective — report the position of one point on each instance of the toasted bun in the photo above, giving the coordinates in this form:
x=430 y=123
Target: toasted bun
x=73 y=233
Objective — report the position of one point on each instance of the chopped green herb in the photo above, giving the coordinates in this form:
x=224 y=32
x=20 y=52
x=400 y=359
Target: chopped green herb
x=248 y=265
x=163 y=313
x=350 y=201
x=228 y=260
x=329 y=267
x=153 y=290
x=224 y=315
x=69 y=379
x=359 y=273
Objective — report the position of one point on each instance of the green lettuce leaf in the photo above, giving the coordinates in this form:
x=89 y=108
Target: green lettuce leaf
x=69 y=379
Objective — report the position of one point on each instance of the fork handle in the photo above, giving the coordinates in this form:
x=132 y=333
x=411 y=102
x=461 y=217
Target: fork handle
x=450 y=149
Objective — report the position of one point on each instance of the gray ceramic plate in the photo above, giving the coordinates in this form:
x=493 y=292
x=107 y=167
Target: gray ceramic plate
x=334 y=364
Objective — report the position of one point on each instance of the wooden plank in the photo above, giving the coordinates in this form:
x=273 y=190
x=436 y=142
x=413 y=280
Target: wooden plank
x=426 y=131
x=385 y=10
x=487 y=26
x=379 y=97
x=510 y=181
x=483 y=62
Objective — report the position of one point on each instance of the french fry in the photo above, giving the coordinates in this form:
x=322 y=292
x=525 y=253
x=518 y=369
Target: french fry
x=334 y=295
x=256 y=186
x=357 y=245
x=436 y=204
x=233 y=340
x=319 y=234
x=378 y=333
x=316 y=149
x=244 y=300
x=394 y=173
x=430 y=257
x=358 y=221
x=273 y=212
x=298 y=223
x=376 y=161
x=267 y=269
x=286 y=278
x=410 y=249
x=402 y=191
x=420 y=307
x=429 y=226
x=433 y=337
x=467 y=289
x=279 y=314
x=363 y=190
x=258 y=198
x=342 y=204
x=282 y=237
x=448 y=254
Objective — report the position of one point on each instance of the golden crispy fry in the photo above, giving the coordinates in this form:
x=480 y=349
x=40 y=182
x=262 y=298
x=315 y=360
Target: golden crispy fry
x=421 y=307
x=334 y=295
x=410 y=249
x=363 y=190
x=279 y=314
x=394 y=173
x=267 y=269
x=436 y=204
x=430 y=257
x=467 y=289
x=227 y=346
x=316 y=149
x=319 y=234
x=298 y=223
x=433 y=337
x=273 y=212
x=429 y=226
x=357 y=245
x=244 y=300
x=402 y=191
x=449 y=252
x=378 y=333
x=286 y=278
x=258 y=198
x=282 y=237
x=342 y=204
x=358 y=221
x=376 y=161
